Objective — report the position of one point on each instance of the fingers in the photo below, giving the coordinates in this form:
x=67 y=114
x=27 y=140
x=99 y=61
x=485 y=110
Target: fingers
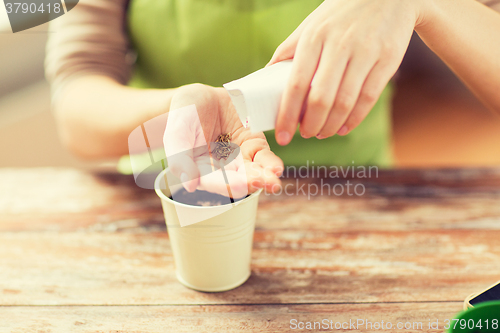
x=304 y=65
x=238 y=182
x=265 y=171
x=239 y=178
x=323 y=91
x=246 y=179
x=372 y=89
x=261 y=177
x=356 y=72
x=257 y=150
x=229 y=178
x=263 y=167
x=215 y=182
x=267 y=159
x=234 y=174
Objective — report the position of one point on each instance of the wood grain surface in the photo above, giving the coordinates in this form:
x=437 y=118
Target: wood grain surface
x=233 y=318
x=89 y=252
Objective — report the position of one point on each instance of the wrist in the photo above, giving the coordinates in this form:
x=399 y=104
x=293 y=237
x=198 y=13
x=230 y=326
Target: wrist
x=156 y=101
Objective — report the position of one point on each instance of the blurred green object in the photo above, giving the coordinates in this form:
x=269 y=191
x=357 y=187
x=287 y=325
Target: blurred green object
x=179 y=42
x=485 y=317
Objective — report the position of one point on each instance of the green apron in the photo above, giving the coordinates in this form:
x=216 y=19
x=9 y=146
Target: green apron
x=216 y=41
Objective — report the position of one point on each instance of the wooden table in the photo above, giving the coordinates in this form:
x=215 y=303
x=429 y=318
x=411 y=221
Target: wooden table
x=89 y=252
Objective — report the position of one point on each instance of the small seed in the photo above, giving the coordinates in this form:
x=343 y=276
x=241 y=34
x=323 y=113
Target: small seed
x=223 y=146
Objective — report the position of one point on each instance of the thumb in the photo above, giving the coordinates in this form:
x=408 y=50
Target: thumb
x=285 y=51
x=183 y=167
x=184 y=142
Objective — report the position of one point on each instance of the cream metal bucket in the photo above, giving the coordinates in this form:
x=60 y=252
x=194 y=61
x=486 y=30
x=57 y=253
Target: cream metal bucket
x=212 y=255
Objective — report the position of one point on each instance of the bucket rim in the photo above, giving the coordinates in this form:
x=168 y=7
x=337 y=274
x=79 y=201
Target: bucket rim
x=162 y=196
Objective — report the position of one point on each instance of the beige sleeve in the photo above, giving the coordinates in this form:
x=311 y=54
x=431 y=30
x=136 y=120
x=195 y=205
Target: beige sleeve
x=90 y=39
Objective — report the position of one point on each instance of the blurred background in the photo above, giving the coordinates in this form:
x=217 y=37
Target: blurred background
x=28 y=133
x=437 y=121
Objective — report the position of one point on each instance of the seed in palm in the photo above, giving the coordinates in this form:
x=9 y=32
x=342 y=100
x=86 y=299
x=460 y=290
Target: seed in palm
x=223 y=147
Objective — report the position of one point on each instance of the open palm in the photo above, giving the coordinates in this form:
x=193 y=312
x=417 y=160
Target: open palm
x=198 y=115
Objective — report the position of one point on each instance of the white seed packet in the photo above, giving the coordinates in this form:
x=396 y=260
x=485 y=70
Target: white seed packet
x=257 y=96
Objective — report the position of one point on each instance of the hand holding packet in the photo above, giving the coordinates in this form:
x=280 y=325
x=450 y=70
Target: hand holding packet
x=257 y=96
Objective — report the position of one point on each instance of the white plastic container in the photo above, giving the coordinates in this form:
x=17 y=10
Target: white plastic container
x=212 y=255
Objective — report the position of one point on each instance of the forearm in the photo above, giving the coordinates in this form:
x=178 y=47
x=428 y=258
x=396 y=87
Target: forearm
x=466 y=36
x=96 y=114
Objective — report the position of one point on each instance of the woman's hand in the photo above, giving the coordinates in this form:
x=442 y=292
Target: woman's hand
x=351 y=48
x=198 y=115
